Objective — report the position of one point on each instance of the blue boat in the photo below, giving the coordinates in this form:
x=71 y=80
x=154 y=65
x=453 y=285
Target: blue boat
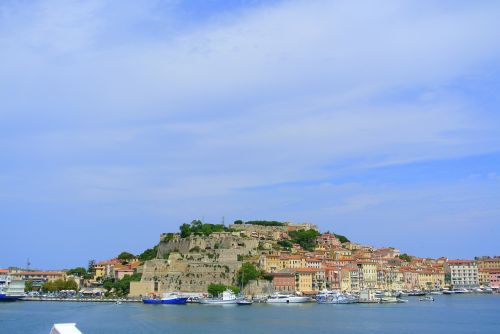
x=168 y=298
x=7 y=298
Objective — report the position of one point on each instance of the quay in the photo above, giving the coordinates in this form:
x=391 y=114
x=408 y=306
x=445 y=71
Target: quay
x=81 y=300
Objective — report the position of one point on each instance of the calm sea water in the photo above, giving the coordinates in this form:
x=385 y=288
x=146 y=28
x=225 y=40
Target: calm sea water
x=448 y=314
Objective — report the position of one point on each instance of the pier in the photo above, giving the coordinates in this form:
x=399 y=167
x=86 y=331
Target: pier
x=81 y=300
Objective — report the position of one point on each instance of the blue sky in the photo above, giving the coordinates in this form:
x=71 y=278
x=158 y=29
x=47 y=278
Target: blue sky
x=120 y=120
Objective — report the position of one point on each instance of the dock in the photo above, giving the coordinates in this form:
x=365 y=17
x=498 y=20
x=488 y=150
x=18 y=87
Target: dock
x=81 y=300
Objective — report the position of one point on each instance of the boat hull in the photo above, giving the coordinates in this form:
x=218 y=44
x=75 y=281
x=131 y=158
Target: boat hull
x=180 y=300
x=289 y=300
x=218 y=302
x=6 y=298
x=244 y=302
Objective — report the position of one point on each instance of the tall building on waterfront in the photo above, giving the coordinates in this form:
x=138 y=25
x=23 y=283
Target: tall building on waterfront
x=463 y=274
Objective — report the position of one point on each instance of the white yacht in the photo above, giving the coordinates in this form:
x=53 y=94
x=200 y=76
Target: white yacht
x=335 y=297
x=227 y=297
x=287 y=299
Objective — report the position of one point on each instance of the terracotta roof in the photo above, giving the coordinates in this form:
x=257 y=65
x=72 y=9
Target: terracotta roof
x=308 y=270
x=460 y=261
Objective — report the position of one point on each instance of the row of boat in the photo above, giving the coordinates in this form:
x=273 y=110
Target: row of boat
x=324 y=297
x=227 y=297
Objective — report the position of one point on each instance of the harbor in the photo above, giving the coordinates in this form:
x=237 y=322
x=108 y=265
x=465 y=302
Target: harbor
x=466 y=313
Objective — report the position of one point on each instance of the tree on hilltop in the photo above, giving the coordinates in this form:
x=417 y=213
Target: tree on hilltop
x=125 y=256
x=341 y=238
x=197 y=227
x=305 y=238
x=405 y=257
x=148 y=254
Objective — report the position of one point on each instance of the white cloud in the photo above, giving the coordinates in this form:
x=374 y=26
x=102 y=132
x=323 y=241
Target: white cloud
x=107 y=103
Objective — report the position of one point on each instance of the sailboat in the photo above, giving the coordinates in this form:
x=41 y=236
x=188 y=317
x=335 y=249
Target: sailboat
x=243 y=301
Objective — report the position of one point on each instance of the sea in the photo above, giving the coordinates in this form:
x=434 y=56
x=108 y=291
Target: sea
x=447 y=314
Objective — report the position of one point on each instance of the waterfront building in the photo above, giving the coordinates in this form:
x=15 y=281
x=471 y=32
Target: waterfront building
x=332 y=277
x=410 y=277
x=463 y=274
x=284 y=281
x=494 y=278
x=349 y=280
x=38 y=277
x=484 y=277
x=367 y=274
x=429 y=279
x=304 y=279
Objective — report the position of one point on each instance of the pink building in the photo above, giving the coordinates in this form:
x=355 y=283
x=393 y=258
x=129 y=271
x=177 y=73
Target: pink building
x=495 y=279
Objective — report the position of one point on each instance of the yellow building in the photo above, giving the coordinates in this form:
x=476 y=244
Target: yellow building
x=489 y=263
x=99 y=271
x=291 y=262
x=349 y=278
x=304 y=279
x=484 y=277
x=341 y=254
x=270 y=263
x=367 y=274
x=430 y=279
x=390 y=279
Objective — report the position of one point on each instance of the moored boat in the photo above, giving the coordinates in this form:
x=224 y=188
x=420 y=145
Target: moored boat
x=7 y=298
x=167 y=298
x=244 y=302
x=335 y=297
x=416 y=293
x=227 y=297
x=427 y=299
x=278 y=298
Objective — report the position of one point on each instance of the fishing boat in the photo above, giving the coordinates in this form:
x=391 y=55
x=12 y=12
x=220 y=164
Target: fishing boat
x=226 y=298
x=167 y=298
x=278 y=298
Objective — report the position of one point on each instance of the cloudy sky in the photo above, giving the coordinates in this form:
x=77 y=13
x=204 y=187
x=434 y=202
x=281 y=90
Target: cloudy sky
x=120 y=120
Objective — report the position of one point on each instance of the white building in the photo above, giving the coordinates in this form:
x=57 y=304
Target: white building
x=463 y=274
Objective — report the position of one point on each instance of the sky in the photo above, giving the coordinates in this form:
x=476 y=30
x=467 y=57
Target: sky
x=120 y=120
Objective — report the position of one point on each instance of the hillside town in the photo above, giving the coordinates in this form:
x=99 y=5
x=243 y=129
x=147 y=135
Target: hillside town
x=288 y=258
